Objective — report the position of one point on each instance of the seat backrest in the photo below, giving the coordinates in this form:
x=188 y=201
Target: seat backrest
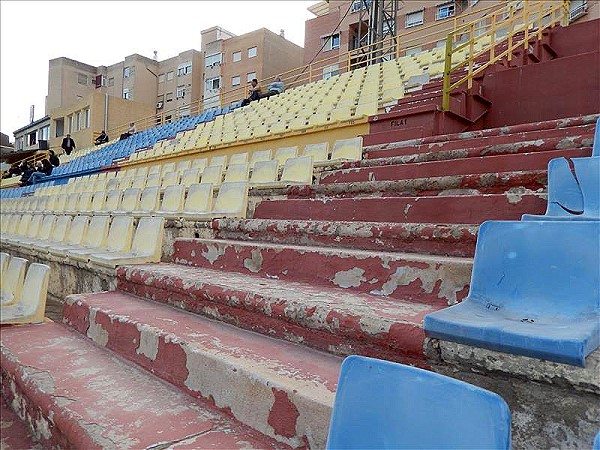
x=564 y=193
x=142 y=172
x=150 y=199
x=199 y=163
x=97 y=231
x=113 y=200
x=98 y=200
x=4 y=258
x=260 y=155
x=139 y=182
x=120 y=234
x=148 y=237
x=154 y=169
x=125 y=183
x=237 y=172
x=319 y=152
x=153 y=180
x=100 y=184
x=32 y=300
x=170 y=179
x=218 y=161
x=538 y=267
x=167 y=168
x=46 y=227
x=384 y=405
x=61 y=202
x=298 y=170
x=587 y=171
x=284 y=153
x=190 y=176
x=238 y=158
x=72 y=201
x=77 y=230
x=131 y=199
x=212 y=174
x=12 y=283
x=172 y=200
x=265 y=172
x=199 y=198
x=85 y=201
x=112 y=183
x=61 y=226
x=347 y=149
x=232 y=199
x=182 y=165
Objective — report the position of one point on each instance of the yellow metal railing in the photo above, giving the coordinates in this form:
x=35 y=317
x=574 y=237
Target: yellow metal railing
x=514 y=26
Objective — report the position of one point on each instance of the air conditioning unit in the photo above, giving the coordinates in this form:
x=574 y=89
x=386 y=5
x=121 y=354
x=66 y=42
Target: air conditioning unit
x=159 y=105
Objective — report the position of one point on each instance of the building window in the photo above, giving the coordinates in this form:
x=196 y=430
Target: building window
x=59 y=127
x=237 y=56
x=71 y=120
x=414 y=18
x=251 y=52
x=331 y=42
x=88 y=117
x=79 y=122
x=169 y=97
x=161 y=78
x=250 y=76
x=358 y=5
x=44 y=133
x=111 y=82
x=444 y=11
x=126 y=93
x=213 y=83
x=32 y=138
x=330 y=71
x=184 y=69
x=235 y=81
x=127 y=72
x=160 y=101
x=169 y=76
x=180 y=92
x=82 y=78
x=214 y=59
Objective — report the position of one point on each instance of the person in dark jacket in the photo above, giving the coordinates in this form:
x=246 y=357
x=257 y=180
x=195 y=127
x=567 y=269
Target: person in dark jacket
x=43 y=170
x=102 y=138
x=68 y=144
x=26 y=172
x=53 y=159
x=14 y=171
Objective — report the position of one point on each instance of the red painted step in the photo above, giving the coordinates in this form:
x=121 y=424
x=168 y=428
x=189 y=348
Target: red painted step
x=405 y=276
x=434 y=239
x=334 y=320
x=78 y=395
x=465 y=209
x=480 y=165
x=15 y=434
x=281 y=389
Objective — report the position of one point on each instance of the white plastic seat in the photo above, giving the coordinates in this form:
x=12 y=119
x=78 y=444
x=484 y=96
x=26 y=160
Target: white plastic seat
x=94 y=238
x=190 y=176
x=238 y=158
x=57 y=235
x=199 y=201
x=153 y=180
x=170 y=179
x=172 y=201
x=284 y=153
x=113 y=200
x=237 y=172
x=149 y=201
x=73 y=237
x=264 y=174
x=260 y=155
x=130 y=201
x=182 y=165
x=231 y=201
x=198 y=163
x=12 y=281
x=118 y=239
x=213 y=175
x=318 y=152
x=31 y=304
x=347 y=150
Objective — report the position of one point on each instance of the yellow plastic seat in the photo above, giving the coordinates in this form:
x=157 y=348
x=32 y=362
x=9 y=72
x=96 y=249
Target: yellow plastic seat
x=72 y=201
x=139 y=182
x=142 y=172
x=238 y=158
x=172 y=201
x=98 y=200
x=347 y=150
x=112 y=183
x=199 y=201
x=231 y=201
x=4 y=258
x=264 y=174
x=94 y=238
x=190 y=176
x=198 y=163
x=125 y=183
x=149 y=201
x=167 y=168
x=318 y=152
x=84 y=204
x=73 y=238
x=42 y=234
x=153 y=180
x=237 y=172
x=145 y=248
x=154 y=169
x=31 y=303
x=113 y=200
x=28 y=233
x=61 y=202
x=170 y=179
x=130 y=201
x=118 y=239
x=260 y=155
x=12 y=281
x=57 y=235
x=297 y=171
x=183 y=165
x=218 y=161
x=100 y=185
x=213 y=175
x=284 y=153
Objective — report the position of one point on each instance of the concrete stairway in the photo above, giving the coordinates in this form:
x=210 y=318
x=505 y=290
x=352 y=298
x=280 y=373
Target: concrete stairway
x=238 y=341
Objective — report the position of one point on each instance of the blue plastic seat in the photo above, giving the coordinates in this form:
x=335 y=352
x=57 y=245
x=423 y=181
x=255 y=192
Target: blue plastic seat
x=572 y=196
x=597 y=442
x=596 y=144
x=534 y=292
x=385 y=405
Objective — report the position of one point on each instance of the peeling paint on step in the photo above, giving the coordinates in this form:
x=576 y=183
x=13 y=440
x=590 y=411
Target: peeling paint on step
x=148 y=341
x=254 y=263
x=95 y=331
x=349 y=278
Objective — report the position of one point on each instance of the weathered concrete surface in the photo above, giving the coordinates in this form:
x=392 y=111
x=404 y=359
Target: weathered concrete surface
x=452 y=167
x=337 y=321
x=466 y=209
x=77 y=395
x=552 y=405
x=421 y=278
x=14 y=435
x=446 y=240
x=281 y=389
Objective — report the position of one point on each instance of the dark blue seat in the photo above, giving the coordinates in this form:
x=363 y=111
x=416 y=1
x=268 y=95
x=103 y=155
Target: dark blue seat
x=572 y=195
x=534 y=292
x=385 y=405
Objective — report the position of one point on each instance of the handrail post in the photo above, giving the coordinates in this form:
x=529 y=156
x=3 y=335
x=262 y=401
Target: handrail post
x=526 y=23
x=493 y=37
x=447 y=70
x=511 y=31
x=471 y=55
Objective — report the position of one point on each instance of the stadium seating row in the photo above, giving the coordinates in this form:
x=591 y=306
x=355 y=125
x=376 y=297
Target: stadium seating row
x=104 y=240
x=22 y=297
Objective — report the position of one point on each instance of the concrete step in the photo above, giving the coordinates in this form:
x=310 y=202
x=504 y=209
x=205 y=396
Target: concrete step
x=464 y=209
x=490 y=136
x=281 y=389
x=78 y=395
x=452 y=167
x=337 y=321
x=434 y=239
x=15 y=434
x=404 y=276
x=538 y=140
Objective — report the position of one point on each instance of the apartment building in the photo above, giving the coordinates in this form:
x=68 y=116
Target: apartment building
x=335 y=29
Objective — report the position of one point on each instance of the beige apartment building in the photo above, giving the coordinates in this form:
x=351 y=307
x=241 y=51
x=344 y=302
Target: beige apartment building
x=83 y=100
x=336 y=27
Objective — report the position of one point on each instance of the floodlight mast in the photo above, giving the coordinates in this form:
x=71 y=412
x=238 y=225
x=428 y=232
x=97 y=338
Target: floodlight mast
x=376 y=21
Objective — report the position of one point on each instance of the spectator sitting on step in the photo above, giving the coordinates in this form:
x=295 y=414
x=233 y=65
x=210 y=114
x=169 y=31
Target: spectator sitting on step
x=26 y=171
x=13 y=171
x=53 y=158
x=68 y=144
x=253 y=93
x=44 y=168
x=103 y=138
x=274 y=88
x=130 y=131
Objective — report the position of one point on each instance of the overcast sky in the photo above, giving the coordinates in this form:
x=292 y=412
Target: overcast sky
x=103 y=33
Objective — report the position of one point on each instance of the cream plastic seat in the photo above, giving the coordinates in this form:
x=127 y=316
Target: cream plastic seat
x=154 y=169
x=130 y=201
x=149 y=201
x=118 y=240
x=142 y=172
x=84 y=204
x=145 y=248
x=29 y=233
x=113 y=183
x=73 y=238
x=318 y=152
x=61 y=203
x=238 y=158
x=182 y=165
x=98 y=200
x=57 y=235
x=199 y=201
x=260 y=155
x=153 y=180
x=237 y=172
x=231 y=201
x=190 y=176
x=12 y=282
x=72 y=201
x=94 y=238
x=31 y=303
x=170 y=179
x=172 y=201
x=139 y=182
x=213 y=175
x=198 y=163
x=264 y=174
x=296 y=171
x=4 y=258
x=125 y=183
x=167 y=168
x=284 y=153
x=347 y=150
x=113 y=200
x=218 y=161
x=100 y=184
x=44 y=231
